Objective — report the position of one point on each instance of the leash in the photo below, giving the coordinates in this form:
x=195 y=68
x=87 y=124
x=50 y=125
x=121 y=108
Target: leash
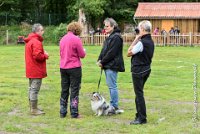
x=99 y=81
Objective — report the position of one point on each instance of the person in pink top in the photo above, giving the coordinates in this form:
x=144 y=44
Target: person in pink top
x=156 y=31
x=71 y=51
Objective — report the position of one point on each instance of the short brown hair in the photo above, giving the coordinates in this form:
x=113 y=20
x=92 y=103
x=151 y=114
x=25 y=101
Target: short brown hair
x=74 y=27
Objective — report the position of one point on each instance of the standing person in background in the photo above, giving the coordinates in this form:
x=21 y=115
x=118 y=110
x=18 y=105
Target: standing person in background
x=176 y=30
x=35 y=60
x=156 y=31
x=176 y=34
x=171 y=31
x=111 y=59
x=164 y=36
x=71 y=50
x=141 y=51
x=163 y=32
x=171 y=35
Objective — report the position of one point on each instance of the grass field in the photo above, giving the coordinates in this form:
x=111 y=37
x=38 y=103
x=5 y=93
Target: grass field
x=168 y=94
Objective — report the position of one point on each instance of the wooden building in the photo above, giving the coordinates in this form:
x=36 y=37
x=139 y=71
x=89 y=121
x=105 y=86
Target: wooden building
x=166 y=15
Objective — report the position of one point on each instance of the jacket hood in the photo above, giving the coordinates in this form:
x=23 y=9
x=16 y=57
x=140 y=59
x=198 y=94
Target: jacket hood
x=116 y=30
x=32 y=36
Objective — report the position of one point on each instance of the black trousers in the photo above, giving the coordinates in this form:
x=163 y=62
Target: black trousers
x=138 y=84
x=70 y=84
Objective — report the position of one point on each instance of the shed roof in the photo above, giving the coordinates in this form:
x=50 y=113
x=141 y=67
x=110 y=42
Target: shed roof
x=168 y=10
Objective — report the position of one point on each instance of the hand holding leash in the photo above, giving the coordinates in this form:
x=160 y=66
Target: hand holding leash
x=99 y=63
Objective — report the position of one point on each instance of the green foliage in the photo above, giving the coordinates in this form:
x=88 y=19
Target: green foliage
x=93 y=8
x=54 y=12
x=59 y=32
x=121 y=10
x=9 y=6
x=51 y=35
x=13 y=33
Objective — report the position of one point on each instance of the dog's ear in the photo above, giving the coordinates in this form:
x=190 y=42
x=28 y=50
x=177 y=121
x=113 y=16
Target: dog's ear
x=93 y=92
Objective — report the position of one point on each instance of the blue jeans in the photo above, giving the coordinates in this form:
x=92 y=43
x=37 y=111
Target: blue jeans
x=111 y=80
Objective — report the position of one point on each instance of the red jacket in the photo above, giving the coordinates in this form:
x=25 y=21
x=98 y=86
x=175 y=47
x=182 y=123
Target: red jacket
x=35 y=58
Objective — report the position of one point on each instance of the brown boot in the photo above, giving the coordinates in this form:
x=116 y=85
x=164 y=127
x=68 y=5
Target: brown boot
x=37 y=107
x=34 y=109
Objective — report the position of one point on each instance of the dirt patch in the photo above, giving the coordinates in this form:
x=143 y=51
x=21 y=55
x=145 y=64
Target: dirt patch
x=181 y=102
x=118 y=121
x=2 y=132
x=14 y=111
x=127 y=100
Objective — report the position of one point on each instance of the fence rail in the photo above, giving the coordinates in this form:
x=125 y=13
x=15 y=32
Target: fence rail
x=8 y=37
x=159 y=40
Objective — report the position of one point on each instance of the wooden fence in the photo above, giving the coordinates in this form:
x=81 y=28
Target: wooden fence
x=159 y=40
x=190 y=39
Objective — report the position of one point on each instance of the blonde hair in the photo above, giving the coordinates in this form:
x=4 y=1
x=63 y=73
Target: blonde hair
x=74 y=27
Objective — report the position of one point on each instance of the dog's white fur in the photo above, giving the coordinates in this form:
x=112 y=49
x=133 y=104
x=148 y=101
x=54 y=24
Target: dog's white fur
x=100 y=106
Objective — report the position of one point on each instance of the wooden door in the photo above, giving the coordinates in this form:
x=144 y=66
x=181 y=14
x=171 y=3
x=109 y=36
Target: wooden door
x=167 y=24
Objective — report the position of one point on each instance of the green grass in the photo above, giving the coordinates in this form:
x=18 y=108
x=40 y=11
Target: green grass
x=168 y=93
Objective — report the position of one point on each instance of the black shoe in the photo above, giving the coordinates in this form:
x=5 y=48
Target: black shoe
x=77 y=116
x=62 y=115
x=116 y=108
x=137 y=121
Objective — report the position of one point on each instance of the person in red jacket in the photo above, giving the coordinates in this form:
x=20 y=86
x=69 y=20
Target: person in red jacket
x=35 y=61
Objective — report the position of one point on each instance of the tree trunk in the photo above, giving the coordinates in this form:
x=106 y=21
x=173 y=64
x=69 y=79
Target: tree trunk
x=83 y=22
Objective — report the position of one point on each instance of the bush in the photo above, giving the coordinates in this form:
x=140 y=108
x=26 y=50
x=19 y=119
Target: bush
x=60 y=31
x=13 y=33
x=52 y=34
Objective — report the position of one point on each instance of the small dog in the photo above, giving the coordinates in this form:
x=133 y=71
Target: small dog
x=101 y=107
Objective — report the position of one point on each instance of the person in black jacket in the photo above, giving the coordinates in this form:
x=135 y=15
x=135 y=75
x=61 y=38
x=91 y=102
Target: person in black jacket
x=141 y=50
x=111 y=59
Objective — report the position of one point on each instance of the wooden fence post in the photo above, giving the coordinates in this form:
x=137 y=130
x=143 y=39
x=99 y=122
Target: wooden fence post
x=190 y=38
x=92 y=40
x=6 y=37
x=165 y=36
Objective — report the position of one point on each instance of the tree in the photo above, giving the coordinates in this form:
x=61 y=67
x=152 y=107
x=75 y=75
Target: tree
x=8 y=6
x=67 y=10
x=122 y=11
x=94 y=10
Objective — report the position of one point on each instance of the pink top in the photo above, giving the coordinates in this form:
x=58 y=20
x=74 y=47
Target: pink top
x=71 y=50
x=156 y=31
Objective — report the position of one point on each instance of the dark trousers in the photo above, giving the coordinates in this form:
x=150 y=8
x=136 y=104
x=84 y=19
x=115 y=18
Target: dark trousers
x=138 y=83
x=70 y=84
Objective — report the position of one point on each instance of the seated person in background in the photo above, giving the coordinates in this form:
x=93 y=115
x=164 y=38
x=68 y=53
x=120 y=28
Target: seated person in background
x=20 y=40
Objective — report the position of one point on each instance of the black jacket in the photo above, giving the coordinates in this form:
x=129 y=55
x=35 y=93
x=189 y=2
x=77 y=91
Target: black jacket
x=141 y=61
x=111 y=55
